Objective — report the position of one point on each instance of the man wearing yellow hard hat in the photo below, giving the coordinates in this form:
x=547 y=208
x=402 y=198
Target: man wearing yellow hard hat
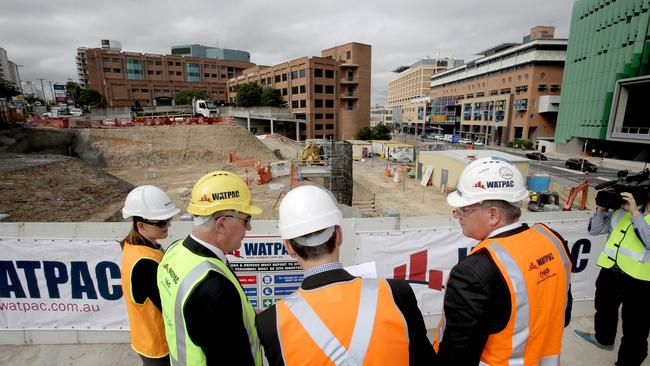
x=208 y=319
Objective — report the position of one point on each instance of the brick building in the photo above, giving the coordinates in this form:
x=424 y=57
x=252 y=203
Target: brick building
x=331 y=92
x=151 y=79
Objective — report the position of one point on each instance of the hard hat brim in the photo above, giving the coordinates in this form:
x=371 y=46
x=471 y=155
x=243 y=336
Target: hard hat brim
x=456 y=200
x=252 y=210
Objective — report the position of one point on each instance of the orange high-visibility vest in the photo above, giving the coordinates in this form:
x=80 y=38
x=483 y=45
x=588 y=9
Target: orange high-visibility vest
x=355 y=322
x=537 y=270
x=145 y=320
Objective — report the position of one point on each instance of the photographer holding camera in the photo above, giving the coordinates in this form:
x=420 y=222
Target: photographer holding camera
x=625 y=274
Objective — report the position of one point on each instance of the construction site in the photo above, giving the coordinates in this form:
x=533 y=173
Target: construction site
x=57 y=174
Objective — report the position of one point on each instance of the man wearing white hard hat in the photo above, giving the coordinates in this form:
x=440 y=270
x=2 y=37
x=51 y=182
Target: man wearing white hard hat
x=336 y=318
x=509 y=300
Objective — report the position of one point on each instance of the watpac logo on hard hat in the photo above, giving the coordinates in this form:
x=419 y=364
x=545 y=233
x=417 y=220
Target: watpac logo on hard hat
x=506 y=173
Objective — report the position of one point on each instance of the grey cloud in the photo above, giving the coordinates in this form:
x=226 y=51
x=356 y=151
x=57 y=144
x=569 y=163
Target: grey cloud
x=43 y=36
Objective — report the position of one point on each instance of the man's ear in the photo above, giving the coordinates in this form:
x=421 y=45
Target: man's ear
x=496 y=216
x=290 y=249
x=339 y=235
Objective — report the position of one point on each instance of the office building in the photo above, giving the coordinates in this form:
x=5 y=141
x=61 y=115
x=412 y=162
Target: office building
x=607 y=80
x=512 y=92
x=380 y=114
x=331 y=92
x=197 y=50
x=151 y=79
x=9 y=69
x=408 y=92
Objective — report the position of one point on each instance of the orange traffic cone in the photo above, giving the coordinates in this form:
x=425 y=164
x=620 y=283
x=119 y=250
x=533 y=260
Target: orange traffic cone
x=388 y=172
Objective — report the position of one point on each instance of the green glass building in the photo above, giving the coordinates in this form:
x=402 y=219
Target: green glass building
x=609 y=41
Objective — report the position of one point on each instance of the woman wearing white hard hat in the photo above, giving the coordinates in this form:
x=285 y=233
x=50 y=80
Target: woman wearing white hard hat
x=151 y=211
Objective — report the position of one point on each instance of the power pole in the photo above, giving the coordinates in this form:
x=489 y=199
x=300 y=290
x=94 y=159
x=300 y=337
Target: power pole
x=43 y=90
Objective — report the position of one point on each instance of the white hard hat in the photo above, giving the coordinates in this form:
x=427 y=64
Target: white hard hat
x=305 y=210
x=150 y=203
x=490 y=178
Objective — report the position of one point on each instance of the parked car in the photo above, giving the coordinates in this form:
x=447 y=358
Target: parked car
x=465 y=141
x=581 y=164
x=440 y=138
x=76 y=112
x=536 y=156
x=478 y=143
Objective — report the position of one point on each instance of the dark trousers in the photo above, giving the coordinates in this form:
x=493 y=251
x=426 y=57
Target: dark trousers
x=613 y=289
x=146 y=361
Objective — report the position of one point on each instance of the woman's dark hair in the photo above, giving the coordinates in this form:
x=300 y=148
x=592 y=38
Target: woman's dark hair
x=134 y=237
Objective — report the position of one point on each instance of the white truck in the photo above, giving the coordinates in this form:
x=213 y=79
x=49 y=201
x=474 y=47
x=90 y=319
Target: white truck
x=198 y=108
x=204 y=108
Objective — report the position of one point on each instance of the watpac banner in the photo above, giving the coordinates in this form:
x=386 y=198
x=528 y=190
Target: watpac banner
x=424 y=257
x=61 y=284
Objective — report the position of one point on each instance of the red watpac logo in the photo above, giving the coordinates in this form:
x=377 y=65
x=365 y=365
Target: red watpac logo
x=479 y=184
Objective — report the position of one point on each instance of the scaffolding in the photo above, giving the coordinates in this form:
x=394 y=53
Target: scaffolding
x=331 y=161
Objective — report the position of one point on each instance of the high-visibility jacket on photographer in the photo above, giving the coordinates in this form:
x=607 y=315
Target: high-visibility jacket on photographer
x=346 y=323
x=537 y=270
x=145 y=320
x=179 y=272
x=625 y=249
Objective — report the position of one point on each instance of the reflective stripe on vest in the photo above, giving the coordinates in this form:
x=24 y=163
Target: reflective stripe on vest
x=560 y=249
x=324 y=338
x=522 y=311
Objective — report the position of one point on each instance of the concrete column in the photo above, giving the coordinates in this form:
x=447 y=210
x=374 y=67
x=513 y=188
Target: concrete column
x=271 y=125
x=248 y=120
x=298 y=131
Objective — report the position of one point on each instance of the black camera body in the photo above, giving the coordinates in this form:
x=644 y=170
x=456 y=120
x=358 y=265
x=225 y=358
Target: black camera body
x=609 y=193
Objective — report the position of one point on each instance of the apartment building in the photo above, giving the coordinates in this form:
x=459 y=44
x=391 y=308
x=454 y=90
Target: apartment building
x=512 y=92
x=331 y=92
x=607 y=80
x=151 y=79
x=82 y=62
x=408 y=92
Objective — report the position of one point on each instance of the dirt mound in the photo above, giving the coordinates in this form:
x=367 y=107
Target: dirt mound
x=69 y=190
x=168 y=145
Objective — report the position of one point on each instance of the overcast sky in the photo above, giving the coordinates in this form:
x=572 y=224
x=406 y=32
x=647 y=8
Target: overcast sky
x=42 y=36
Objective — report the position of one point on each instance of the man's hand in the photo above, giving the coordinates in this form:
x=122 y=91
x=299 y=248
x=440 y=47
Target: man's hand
x=630 y=204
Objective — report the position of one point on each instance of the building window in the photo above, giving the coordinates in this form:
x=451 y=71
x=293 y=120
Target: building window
x=318 y=73
x=179 y=73
x=214 y=75
x=294 y=75
x=294 y=90
x=268 y=80
x=159 y=63
x=555 y=88
x=115 y=59
x=170 y=73
x=329 y=103
x=467 y=111
x=318 y=103
x=348 y=55
x=177 y=63
x=318 y=88
x=263 y=81
x=170 y=63
x=541 y=87
x=318 y=116
x=520 y=104
x=149 y=62
x=133 y=70
x=294 y=104
x=329 y=74
x=318 y=126
x=329 y=115
x=284 y=91
x=329 y=126
x=277 y=78
x=105 y=59
x=107 y=69
x=117 y=71
x=303 y=89
x=206 y=75
x=350 y=105
x=284 y=77
x=301 y=73
x=329 y=89
x=193 y=73
x=303 y=103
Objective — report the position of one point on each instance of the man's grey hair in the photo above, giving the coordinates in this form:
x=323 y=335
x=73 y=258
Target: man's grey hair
x=204 y=222
x=511 y=211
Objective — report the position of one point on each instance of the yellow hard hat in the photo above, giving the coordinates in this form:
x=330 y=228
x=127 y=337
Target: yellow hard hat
x=221 y=191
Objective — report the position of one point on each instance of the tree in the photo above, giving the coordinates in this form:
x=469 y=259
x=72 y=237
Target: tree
x=8 y=89
x=31 y=99
x=379 y=132
x=91 y=97
x=184 y=97
x=73 y=90
x=248 y=94
x=365 y=133
x=270 y=97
